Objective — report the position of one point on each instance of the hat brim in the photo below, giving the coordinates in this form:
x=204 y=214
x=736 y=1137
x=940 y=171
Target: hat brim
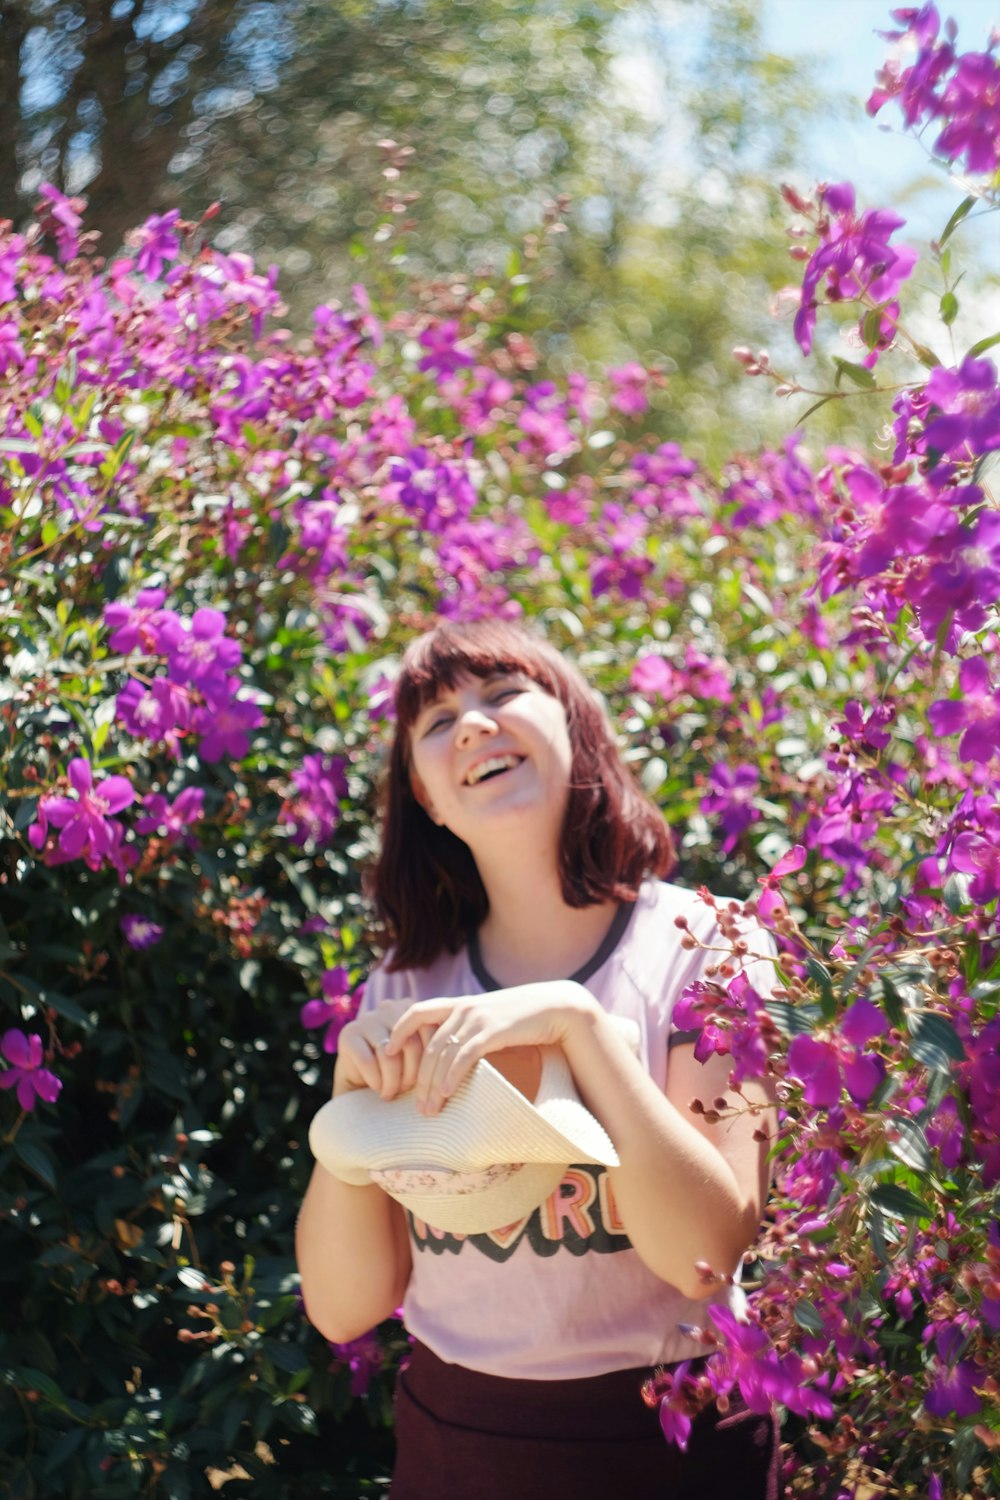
x=489 y=1208
x=486 y=1121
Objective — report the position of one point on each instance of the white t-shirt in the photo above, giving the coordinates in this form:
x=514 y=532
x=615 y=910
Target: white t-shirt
x=562 y=1293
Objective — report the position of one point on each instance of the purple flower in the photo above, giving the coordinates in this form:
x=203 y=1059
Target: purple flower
x=225 y=726
x=979 y=858
x=675 y=1419
x=313 y=814
x=952 y=1389
x=708 y=677
x=825 y=1067
x=434 y=492
x=630 y=386
x=87 y=829
x=946 y=1133
x=763 y=1376
x=964 y=406
x=443 y=355
x=25 y=1073
x=653 y=675
x=161 y=711
x=333 y=1013
x=543 y=420
x=731 y=797
x=363 y=1357
x=818 y=1067
x=854 y=257
x=171 y=820
x=157 y=243
x=59 y=215
x=962 y=91
x=140 y=932
x=976 y=713
x=204 y=654
x=867 y=731
x=145 y=623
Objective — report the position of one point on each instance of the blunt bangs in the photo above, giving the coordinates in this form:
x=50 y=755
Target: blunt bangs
x=485 y=648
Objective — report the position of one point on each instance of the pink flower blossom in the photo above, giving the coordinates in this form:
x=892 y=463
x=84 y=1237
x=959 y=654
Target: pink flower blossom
x=88 y=830
x=853 y=258
x=630 y=389
x=25 y=1073
x=140 y=932
x=333 y=1013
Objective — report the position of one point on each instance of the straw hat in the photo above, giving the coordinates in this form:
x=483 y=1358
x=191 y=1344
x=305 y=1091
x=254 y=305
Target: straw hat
x=489 y=1158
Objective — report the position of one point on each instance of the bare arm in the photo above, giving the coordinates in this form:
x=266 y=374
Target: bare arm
x=351 y=1243
x=687 y=1191
x=353 y=1255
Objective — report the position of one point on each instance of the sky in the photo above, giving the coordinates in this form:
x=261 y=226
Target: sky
x=877 y=160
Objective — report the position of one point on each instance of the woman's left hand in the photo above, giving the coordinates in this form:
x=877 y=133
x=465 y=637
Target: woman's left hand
x=472 y=1026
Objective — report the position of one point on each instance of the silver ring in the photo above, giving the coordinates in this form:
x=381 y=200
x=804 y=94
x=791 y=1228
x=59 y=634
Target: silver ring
x=456 y=1041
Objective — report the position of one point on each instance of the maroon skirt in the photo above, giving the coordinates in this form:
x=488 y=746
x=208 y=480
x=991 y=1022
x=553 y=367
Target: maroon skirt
x=469 y=1436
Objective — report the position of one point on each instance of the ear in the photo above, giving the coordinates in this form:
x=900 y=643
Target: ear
x=420 y=793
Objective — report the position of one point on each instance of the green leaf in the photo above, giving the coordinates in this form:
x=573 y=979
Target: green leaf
x=934 y=1040
x=61 y=1004
x=899 y=1202
x=37 y=1161
x=892 y=1002
x=63 y=1449
x=299 y=1417
x=856 y=373
x=949 y=308
x=289 y=1357
x=820 y=975
x=983 y=345
x=908 y=1142
x=36 y=1380
x=793 y=1020
x=815 y=407
x=871 y=325
x=955 y=894
x=964 y=208
x=876 y=1230
x=808 y=1316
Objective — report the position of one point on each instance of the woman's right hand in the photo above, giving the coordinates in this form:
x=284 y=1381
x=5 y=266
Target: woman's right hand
x=361 y=1059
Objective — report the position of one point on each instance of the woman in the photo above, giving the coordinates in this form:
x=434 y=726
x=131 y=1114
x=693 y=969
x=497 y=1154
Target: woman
x=519 y=884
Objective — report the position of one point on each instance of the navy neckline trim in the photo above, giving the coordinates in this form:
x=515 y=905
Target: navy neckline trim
x=600 y=956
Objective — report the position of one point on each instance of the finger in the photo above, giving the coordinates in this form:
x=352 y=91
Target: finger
x=446 y=1061
x=413 y=1052
x=356 y=1052
x=424 y=1013
x=390 y=1072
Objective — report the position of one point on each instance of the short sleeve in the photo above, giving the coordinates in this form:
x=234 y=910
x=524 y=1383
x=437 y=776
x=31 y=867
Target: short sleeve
x=382 y=984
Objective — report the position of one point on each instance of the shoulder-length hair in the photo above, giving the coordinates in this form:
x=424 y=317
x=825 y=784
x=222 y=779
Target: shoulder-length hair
x=425 y=885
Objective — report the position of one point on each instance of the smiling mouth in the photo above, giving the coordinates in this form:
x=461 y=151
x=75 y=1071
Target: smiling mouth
x=488 y=770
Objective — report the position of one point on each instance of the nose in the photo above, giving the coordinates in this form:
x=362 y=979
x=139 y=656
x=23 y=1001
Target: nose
x=474 y=724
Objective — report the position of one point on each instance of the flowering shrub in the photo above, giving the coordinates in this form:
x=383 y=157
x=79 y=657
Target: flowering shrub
x=216 y=542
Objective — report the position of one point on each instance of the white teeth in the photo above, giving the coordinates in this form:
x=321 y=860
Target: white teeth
x=496 y=763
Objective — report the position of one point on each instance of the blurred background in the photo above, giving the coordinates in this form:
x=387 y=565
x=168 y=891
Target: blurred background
x=667 y=124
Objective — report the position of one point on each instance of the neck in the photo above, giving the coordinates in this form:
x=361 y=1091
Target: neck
x=529 y=932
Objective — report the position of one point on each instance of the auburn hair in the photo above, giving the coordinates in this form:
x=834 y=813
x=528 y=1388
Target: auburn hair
x=425 y=885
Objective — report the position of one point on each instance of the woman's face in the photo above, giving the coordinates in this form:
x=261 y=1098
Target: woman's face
x=491 y=753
